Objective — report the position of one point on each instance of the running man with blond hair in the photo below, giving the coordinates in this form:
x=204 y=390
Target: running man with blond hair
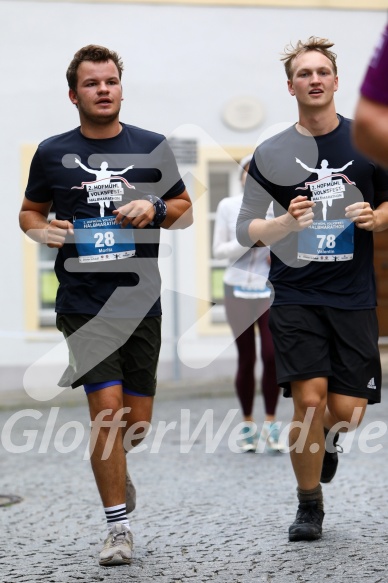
x=323 y=318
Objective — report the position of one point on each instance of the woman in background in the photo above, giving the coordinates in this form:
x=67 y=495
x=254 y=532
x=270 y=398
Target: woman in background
x=247 y=299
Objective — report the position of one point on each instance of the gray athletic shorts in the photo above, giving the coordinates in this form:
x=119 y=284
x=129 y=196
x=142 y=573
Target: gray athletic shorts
x=110 y=349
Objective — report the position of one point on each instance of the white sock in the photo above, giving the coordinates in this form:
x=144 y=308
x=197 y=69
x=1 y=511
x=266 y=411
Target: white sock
x=116 y=514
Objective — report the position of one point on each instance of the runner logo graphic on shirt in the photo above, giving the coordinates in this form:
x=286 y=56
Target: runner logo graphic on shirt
x=102 y=239
x=326 y=189
x=106 y=188
x=326 y=240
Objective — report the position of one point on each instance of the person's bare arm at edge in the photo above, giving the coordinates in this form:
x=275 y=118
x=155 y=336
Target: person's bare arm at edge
x=364 y=217
x=266 y=232
x=370 y=130
x=33 y=221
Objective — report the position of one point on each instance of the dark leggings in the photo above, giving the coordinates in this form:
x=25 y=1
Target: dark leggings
x=242 y=315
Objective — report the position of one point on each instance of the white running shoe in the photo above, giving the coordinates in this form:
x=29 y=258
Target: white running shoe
x=118 y=545
x=269 y=438
x=247 y=442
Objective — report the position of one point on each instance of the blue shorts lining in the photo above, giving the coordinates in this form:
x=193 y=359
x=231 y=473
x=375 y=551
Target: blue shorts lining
x=93 y=387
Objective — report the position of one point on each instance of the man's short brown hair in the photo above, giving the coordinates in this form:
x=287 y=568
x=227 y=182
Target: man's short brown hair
x=96 y=54
x=322 y=45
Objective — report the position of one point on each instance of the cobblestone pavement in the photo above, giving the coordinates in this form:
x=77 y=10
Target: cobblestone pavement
x=200 y=517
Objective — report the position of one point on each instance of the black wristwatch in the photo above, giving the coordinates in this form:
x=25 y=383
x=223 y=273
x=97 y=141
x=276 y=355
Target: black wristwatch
x=160 y=208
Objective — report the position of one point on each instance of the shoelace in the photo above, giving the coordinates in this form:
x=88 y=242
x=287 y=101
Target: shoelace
x=116 y=538
x=336 y=445
x=305 y=513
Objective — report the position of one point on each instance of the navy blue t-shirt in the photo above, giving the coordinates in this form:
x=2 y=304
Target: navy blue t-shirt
x=88 y=178
x=330 y=263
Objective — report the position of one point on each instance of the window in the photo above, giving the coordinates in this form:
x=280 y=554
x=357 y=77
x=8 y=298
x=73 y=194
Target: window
x=40 y=282
x=223 y=180
x=47 y=285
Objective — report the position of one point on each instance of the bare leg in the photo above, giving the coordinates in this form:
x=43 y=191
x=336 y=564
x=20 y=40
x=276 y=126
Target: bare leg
x=343 y=408
x=107 y=452
x=107 y=443
x=307 y=464
x=137 y=419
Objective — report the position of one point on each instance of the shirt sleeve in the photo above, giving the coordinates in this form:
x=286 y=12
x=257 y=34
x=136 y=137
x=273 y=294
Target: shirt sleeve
x=225 y=245
x=171 y=183
x=255 y=204
x=375 y=84
x=38 y=188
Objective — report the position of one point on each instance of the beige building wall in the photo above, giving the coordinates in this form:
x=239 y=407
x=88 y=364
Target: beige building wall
x=208 y=71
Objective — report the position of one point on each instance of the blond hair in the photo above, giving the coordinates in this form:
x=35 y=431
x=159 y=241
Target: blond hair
x=313 y=43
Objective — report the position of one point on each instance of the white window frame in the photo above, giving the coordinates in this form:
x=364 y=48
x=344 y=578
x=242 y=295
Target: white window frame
x=211 y=322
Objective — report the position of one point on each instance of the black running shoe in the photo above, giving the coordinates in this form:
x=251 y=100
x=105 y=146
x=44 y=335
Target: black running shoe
x=330 y=459
x=308 y=522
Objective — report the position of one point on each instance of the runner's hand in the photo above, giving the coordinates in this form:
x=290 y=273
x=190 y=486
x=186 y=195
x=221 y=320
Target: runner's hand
x=56 y=231
x=362 y=215
x=138 y=213
x=300 y=213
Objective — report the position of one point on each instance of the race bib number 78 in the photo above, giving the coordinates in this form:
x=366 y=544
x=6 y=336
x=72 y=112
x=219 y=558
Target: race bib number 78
x=327 y=241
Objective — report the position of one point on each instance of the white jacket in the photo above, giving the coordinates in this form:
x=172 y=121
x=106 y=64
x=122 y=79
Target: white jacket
x=247 y=267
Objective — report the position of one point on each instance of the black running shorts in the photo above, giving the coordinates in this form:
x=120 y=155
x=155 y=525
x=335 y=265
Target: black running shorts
x=319 y=341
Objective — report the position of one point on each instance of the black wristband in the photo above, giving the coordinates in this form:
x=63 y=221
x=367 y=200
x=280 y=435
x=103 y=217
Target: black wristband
x=159 y=206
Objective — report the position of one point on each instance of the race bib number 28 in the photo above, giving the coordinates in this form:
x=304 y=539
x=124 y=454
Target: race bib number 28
x=327 y=241
x=101 y=239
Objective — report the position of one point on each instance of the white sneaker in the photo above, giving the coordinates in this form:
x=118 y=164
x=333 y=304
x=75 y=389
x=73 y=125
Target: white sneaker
x=118 y=546
x=130 y=494
x=269 y=438
x=247 y=442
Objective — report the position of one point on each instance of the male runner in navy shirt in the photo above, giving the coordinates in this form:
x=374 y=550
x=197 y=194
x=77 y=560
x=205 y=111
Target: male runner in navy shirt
x=112 y=186
x=328 y=199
